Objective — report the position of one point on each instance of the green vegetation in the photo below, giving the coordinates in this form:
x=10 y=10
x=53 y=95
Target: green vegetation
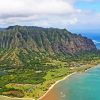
x=40 y=70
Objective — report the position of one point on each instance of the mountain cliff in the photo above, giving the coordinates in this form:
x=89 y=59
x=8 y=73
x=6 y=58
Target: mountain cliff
x=39 y=39
x=22 y=45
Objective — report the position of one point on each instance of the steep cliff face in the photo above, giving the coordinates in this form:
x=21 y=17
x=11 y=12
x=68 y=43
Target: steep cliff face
x=39 y=39
x=77 y=43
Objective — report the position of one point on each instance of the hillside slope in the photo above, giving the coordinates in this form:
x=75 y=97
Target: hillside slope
x=19 y=42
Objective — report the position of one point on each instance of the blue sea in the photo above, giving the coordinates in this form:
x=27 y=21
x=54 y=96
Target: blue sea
x=80 y=86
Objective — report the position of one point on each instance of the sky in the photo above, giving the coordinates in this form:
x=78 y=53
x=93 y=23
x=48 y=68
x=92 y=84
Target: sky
x=75 y=15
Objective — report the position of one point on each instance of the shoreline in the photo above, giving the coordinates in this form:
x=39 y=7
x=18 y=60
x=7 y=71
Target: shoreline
x=49 y=89
x=52 y=86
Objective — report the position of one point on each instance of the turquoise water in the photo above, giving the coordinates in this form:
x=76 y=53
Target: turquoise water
x=83 y=86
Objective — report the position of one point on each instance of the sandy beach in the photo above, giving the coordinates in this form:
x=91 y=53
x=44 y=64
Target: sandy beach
x=55 y=84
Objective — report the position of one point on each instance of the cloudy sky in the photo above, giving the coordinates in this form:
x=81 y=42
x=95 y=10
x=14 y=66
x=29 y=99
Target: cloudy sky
x=75 y=15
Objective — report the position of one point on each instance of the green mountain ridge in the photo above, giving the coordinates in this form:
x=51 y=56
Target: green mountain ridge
x=16 y=41
x=44 y=40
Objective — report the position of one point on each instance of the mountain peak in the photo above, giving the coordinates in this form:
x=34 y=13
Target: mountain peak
x=14 y=27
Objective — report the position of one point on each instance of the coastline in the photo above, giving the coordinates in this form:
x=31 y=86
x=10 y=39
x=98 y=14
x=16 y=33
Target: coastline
x=43 y=97
x=52 y=86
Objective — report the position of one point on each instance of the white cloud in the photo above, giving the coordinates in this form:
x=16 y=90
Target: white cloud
x=73 y=21
x=47 y=13
x=36 y=11
x=31 y=7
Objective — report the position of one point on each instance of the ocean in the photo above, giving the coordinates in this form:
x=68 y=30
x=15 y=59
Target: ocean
x=80 y=86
